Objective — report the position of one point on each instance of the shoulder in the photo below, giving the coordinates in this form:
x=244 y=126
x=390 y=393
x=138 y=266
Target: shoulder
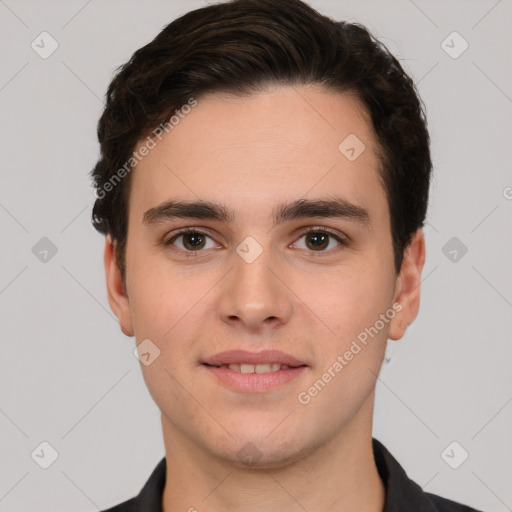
x=446 y=505
x=126 y=506
x=402 y=493
x=150 y=496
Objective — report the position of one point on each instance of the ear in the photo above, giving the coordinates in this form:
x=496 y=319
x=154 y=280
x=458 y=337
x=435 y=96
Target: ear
x=407 y=290
x=117 y=296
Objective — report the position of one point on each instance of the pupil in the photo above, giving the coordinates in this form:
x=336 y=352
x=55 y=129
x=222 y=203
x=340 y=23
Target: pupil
x=318 y=239
x=194 y=236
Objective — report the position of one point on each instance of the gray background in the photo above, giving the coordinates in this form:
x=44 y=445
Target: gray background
x=68 y=375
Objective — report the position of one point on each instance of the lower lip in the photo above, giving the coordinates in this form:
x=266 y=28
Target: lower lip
x=256 y=382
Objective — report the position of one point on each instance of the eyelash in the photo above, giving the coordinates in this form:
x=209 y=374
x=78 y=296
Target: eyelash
x=193 y=254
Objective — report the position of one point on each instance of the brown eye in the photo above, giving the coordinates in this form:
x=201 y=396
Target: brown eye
x=317 y=241
x=191 y=241
x=320 y=239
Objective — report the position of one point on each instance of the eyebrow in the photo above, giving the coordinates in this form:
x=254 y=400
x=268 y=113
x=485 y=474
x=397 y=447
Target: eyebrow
x=332 y=207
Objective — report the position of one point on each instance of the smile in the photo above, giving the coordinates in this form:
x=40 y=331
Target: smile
x=255 y=368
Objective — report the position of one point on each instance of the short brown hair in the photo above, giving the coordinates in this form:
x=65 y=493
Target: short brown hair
x=241 y=46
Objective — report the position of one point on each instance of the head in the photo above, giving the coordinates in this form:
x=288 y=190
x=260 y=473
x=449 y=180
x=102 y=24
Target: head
x=265 y=114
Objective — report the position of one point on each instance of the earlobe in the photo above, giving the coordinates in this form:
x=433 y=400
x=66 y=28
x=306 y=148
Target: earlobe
x=117 y=297
x=408 y=286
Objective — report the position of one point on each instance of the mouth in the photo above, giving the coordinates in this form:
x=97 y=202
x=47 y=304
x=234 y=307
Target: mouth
x=245 y=359
x=247 y=372
x=255 y=368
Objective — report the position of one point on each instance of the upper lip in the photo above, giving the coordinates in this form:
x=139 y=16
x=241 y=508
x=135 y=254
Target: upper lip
x=243 y=356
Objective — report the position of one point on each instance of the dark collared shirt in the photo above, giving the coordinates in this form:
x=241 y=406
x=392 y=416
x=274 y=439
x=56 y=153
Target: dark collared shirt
x=402 y=494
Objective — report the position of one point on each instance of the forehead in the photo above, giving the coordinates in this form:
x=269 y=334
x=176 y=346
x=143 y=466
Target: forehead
x=286 y=142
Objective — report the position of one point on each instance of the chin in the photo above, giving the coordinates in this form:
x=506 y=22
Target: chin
x=264 y=452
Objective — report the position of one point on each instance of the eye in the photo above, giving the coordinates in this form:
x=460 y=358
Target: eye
x=192 y=240
x=319 y=239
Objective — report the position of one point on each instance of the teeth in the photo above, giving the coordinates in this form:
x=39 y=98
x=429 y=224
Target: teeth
x=256 y=368
x=262 y=368
x=247 y=368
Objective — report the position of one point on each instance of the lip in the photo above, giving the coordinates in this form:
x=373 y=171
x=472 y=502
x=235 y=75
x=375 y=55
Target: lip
x=254 y=382
x=243 y=356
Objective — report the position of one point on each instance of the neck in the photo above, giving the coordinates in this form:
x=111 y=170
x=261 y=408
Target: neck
x=339 y=475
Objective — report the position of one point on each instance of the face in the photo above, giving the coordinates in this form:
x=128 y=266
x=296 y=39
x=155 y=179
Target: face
x=285 y=272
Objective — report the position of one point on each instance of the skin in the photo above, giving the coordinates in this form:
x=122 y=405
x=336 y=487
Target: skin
x=252 y=153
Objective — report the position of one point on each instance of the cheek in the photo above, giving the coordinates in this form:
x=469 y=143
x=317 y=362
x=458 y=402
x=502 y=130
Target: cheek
x=348 y=301
x=350 y=358
x=171 y=310
x=159 y=298
x=153 y=312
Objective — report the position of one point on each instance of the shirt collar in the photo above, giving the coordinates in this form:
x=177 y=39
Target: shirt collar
x=401 y=492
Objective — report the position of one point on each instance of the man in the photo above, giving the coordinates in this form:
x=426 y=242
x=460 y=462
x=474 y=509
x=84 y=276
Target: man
x=262 y=186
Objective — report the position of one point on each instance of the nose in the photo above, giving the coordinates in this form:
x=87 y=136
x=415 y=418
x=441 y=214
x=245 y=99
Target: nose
x=255 y=294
